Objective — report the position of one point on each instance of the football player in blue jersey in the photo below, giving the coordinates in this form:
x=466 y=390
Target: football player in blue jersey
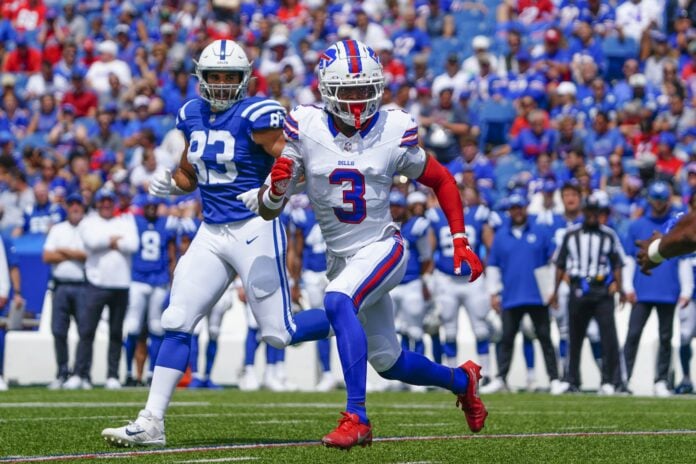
x=151 y=269
x=309 y=269
x=231 y=142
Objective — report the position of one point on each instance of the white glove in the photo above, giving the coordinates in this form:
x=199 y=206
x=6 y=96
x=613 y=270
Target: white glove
x=163 y=185
x=250 y=199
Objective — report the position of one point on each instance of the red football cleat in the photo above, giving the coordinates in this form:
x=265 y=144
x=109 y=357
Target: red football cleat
x=470 y=402
x=350 y=432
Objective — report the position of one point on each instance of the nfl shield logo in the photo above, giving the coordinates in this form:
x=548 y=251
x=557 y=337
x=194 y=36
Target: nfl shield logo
x=347 y=146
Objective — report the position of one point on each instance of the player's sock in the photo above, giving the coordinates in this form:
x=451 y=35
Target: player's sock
x=419 y=347
x=437 y=348
x=596 y=350
x=153 y=350
x=272 y=355
x=563 y=354
x=310 y=324
x=415 y=369
x=405 y=342
x=171 y=363
x=193 y=358
x=2 y=350
x=131 y=341
x=210 y=354
x=528 y=350
x=685 y=359
x=449 y=352
x=250 y=346
x=483 y=350
x=352 y=349
x=324 y=352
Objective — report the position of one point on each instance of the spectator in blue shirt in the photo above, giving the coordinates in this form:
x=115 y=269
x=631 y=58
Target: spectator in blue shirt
x=410 y=40
x=470 y=156
x=603 y=141
x=519 y=249
x=42 y=215
x=535 y=140
x=660 y=290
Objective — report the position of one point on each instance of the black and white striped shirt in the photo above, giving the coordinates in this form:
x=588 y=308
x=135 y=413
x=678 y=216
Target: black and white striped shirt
x=590 y=253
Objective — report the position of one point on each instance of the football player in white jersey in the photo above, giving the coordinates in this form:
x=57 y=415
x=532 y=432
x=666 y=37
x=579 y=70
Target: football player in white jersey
x=231 y=141
x=348 y=152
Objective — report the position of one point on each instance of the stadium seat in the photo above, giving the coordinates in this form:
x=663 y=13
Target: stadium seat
x=616 y=53
x=495 y=119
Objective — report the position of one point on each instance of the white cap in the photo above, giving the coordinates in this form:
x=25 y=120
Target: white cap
x=344 y=31
x=277 y=39
x=141 y=100
x=566 y=88
x=108 y=46
x=637 y=80
x=481 y=42
x=416 y=197
x=385 y=44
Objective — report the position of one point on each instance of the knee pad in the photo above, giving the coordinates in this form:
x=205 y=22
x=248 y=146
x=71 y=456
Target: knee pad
x=381 y=354
x=275 y=341
x=213 y=333
x=263 y=279
x=131 y=327
x=176 y=320
x=415 y=333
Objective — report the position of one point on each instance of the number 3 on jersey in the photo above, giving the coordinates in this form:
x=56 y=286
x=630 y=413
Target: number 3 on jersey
x=353 y=196
x=211 y=153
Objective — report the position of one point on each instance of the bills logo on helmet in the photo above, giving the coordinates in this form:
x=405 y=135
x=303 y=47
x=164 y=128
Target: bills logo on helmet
x=372 y=54
x=327 y=58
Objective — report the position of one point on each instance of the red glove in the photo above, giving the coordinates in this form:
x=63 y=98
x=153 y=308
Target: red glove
x=464 y=254
x=281 y=173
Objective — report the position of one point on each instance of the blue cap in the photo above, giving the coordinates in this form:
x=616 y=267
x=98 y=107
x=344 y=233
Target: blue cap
x=523 y=55
x=466 y=93
x=659 y=190
x=74 y=198
x=78 y=72
x=397 y=198
x=548 y=186
x=104 y=194
x=517 y=200
x=668 y=139
x=68 y=108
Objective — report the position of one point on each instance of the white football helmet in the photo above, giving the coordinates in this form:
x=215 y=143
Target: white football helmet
x=223 y=56
x=351 y=82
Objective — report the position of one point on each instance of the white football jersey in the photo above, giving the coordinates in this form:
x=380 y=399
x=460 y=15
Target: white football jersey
x=348 y=179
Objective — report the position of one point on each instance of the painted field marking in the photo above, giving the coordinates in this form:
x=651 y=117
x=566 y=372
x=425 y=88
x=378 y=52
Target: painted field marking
x=89 y=404
x=197 y=461
x=295 y=444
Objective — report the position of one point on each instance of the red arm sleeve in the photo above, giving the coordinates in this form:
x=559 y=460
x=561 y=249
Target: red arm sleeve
x=437 y=177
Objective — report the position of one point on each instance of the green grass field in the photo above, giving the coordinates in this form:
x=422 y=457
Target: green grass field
x=41 y=426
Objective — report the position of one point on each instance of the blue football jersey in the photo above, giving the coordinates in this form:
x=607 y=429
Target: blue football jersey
x=151 y=261
x=226 y=159
x=415 y=234
x=314 y=252
x=40 y=218
x=474 y=218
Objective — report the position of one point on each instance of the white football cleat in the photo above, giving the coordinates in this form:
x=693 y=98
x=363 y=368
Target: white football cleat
x=497 y=385
x=147 y=430
x=56 y=384
x=558 y=387
x=326 y=383
x=606 y=389
x=249 y=382
x=271 y=382
x=3 y=385
x=73 y=383
x=112 y=384
x=661 y=390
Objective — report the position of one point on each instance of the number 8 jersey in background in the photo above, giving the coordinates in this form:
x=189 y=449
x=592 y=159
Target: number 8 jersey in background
x=151 y=262
x=349 y=178
x=226 y=159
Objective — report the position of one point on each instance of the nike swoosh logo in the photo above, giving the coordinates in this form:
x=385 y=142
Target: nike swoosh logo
x=248 y=242
x=130 y=434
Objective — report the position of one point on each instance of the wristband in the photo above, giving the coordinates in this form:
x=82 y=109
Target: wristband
x=271 y=203
x=654 y=252
x=458 y=235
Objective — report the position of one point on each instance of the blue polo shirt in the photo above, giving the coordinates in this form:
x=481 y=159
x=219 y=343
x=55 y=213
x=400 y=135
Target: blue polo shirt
x=662 y=286
x=517 y=259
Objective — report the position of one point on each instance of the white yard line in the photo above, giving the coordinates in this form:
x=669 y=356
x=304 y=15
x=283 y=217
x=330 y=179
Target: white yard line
x=196 y=461
x=295 y=444
x=87 y=404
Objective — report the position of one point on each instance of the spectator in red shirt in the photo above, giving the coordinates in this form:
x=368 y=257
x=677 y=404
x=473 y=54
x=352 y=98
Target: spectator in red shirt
x=667 y=163
x=394 y=70
x=84 y=100
x=23 y=59
x=29 y=16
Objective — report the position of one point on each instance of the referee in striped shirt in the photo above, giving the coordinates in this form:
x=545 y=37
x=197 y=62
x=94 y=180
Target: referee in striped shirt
x=591 y=258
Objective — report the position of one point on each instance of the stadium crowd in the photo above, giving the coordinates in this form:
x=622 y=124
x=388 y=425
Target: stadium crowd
x=550 y=107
